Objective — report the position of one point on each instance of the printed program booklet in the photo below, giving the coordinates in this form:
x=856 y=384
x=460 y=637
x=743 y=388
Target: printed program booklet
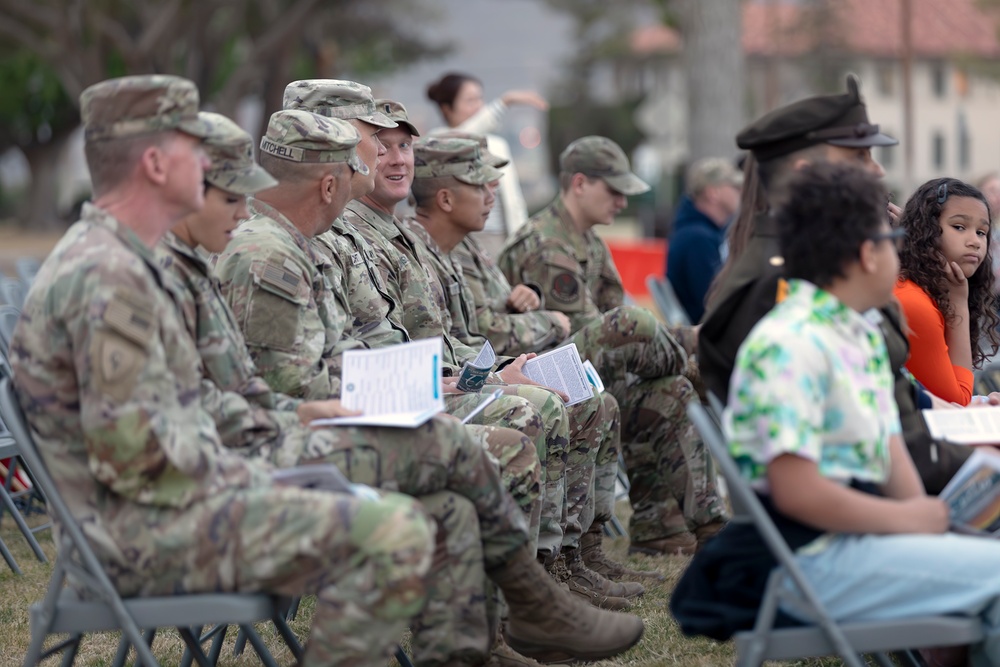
x=976 y=426
x=474 y=373
x=399 y=385
x=973 y=494
x=561 y=369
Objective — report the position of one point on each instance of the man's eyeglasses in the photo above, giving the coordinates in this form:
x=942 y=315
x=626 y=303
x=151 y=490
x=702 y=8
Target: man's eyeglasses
x=897 y=236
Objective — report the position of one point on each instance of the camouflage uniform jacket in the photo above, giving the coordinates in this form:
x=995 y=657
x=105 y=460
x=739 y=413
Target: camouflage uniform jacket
x=445 y=274
x=110 y=382
x=285 y=298
x=373 y=312
x=575 y=271
x=405 y=268
x=510 y=332
x=250 y=412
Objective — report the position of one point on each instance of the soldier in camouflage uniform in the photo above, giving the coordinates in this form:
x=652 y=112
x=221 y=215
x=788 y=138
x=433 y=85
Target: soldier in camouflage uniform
x=560 y=525
x=274 y=245
x=110 y=383
x=674 y=497
x=264 y=423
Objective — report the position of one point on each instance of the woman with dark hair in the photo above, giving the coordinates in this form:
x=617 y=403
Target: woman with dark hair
x=946 y=286
x=460 y=99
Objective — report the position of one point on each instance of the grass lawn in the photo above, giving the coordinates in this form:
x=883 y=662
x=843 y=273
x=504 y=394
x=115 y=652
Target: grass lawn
x=662 y=644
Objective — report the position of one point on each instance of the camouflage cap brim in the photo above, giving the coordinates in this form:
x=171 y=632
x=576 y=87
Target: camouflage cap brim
x=494 y=160
x=378 y=119
x=198 y=126
x=357 y=164
x=479 y=175
x=248 y=181
x=627 y=184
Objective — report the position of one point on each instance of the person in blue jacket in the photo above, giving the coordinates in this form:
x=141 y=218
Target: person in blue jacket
x=697 y=245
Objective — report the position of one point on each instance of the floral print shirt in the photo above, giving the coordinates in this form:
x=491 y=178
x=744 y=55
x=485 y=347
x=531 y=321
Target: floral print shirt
x=813 y=379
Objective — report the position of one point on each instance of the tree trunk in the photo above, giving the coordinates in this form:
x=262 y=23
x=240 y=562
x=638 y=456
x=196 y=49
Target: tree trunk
x=39 y=211
x=713 y=67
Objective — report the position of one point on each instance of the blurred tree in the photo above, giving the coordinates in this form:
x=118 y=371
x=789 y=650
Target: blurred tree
x=712 y=44
x=230 y=49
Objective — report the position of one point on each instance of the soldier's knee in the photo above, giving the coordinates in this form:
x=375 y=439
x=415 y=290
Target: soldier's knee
x=396 y=533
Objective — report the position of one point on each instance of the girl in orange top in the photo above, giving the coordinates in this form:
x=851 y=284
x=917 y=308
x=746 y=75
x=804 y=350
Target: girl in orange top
x=946 y=288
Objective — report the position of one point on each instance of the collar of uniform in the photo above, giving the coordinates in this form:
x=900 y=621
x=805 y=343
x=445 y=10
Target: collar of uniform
x=381 y=221
x=101 y=218
x=260 y=209
x=195 y=257
x=581 y=240
x=421 y=232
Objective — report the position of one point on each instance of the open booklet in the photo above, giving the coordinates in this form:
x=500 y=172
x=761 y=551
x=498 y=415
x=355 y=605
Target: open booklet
x=973 y=494
x=474 y=373
x=978 y=426
x=399 y=385
x=562 y=369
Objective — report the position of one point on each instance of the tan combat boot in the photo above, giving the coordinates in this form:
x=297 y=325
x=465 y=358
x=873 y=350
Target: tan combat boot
x=503 y=655
x=555 y=565
x=678 y=544
x=592 y=551
x=580 y=573
x=548 y=624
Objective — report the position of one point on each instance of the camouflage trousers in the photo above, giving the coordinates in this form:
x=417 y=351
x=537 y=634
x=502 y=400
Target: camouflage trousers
x=572 y=436
x=582 y=480
x=441 y=455
x=364 y=560
x=461 y=616
x=671 y=474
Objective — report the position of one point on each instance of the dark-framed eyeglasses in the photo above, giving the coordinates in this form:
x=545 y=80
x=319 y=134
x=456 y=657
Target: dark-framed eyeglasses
x=897 y=236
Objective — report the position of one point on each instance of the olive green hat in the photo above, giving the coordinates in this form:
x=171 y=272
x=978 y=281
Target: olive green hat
x=301 y=136
x=434 y=157
x=599 y=157
x=230 y=150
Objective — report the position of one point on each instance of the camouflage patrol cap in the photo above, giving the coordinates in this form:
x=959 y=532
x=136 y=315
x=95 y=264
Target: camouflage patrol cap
x=335 y=99
x=230 y=149
x=434 y=157
x=131 y=106
x=396 y=112
x=841 y=120
x=599 y=157
x=301 y=136
x=488 y=157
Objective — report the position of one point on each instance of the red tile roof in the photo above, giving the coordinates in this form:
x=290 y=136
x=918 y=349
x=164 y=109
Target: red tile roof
x=940 y=28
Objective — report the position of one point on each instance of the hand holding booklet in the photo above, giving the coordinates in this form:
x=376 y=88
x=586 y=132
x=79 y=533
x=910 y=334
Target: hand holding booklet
x=562 y=369
x=965 y=426
x=399 y=385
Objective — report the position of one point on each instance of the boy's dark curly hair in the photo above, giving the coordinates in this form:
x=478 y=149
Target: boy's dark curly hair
x=922 y=262
x=828 y=211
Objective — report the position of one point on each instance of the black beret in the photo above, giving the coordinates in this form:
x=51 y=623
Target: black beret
x=841 y=120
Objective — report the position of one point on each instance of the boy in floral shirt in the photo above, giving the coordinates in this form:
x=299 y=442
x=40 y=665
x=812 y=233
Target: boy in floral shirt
x=812 y=423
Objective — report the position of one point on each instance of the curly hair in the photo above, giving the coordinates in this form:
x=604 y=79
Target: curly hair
x=922 y=262
x=827 y=212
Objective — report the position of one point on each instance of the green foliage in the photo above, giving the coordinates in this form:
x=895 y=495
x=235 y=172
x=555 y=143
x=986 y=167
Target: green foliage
x=34 y=105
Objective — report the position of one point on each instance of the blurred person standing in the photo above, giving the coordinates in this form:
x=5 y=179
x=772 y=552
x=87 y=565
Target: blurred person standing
x=989 y=185
x=460 y=99
x=698 y=241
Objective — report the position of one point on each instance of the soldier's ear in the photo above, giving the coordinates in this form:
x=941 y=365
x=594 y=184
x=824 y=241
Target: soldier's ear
x=577 y=182
x=152 y=164
x=445 y=199
x=328 y=187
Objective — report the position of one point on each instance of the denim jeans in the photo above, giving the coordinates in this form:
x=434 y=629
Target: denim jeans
x=883 y=577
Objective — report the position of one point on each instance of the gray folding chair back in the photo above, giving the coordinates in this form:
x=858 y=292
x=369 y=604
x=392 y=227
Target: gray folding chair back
x=825 y=636
x=100 y=607
x=667 y=302
x=27 y=269
x=12 y=292
x=9 y=316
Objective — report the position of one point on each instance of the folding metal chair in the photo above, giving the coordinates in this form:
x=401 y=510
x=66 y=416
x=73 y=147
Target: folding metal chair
x=667 y=302
x=12 y=292
x=27 y=269
x=9 y=316
x=101 y=608
x=825 y=636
